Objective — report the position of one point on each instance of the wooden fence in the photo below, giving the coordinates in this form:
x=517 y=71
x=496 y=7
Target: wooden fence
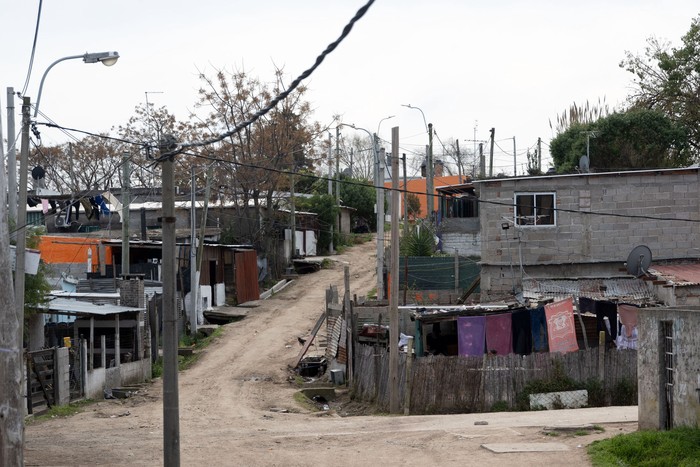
x=442 y=384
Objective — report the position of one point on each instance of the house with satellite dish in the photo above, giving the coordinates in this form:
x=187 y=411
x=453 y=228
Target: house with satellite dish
x=628 y=236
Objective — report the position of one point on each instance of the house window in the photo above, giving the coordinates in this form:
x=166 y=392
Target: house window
x=535 y=209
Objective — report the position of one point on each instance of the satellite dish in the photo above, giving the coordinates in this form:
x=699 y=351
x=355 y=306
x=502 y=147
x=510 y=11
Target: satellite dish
x=638 y=261
x=584 y=164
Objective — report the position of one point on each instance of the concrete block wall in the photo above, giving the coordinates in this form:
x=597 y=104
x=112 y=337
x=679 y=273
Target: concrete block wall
x=581 y=238
x=650 y=367
x=467 y=244
x=131 y=292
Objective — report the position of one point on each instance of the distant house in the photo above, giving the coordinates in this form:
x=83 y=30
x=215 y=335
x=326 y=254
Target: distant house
x=583 y=225
x=668 y=368
x=458 y=219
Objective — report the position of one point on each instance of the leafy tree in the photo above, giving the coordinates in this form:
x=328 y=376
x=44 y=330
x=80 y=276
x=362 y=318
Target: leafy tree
x=254 y=162
x=325 y=207
x=361 y=195
x=667 y=79
x=413 y=205
x=635 y=139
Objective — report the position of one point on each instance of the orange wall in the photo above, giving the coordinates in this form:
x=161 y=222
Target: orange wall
x=69 y=249
x=417 y=186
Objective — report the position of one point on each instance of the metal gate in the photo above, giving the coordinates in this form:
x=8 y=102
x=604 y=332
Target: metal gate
x=668 y=376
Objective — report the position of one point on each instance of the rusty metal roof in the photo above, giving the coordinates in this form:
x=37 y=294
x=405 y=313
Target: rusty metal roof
x=628 y=290
x=679 y=275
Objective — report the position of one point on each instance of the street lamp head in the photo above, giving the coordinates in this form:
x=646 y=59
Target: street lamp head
x=106 y=58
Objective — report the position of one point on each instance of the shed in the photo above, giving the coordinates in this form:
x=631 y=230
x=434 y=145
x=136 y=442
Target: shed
x=668 y=365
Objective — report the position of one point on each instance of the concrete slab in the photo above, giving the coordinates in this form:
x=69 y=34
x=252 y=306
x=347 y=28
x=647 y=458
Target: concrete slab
x=501 y=448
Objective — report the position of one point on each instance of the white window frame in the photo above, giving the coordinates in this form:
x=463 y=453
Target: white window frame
x=532 y=222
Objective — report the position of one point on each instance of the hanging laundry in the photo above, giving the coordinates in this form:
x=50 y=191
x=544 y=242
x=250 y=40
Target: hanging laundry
x=87 y=207
x=44 y=206
x=538 y=322
x=586 y=304
x=100 y=205
x=522 y=334
x=606 y=309
x=499 y=334
x=470 y=335
x=561 y=331
x=627 y=337
x=111 y=199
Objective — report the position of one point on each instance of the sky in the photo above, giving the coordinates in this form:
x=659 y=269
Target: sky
x=468 y=66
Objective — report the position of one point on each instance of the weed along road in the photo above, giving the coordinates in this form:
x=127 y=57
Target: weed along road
x=238 y=407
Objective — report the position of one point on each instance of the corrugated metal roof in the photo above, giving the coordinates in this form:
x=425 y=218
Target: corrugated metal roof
x=679 y=275
x=65 y=305
x=628 y=290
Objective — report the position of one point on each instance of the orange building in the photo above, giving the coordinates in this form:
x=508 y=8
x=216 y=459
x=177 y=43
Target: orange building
x=417 y=186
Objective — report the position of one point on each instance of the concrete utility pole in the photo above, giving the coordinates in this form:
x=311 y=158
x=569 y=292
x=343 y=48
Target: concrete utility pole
x=21 y=229
x=337 y=166
x=11 y=361
x=394 y=292
x=405 y=197
x=11 y=155
x=380 y=220
x=539 y=153
x=431 y=174
x=459 y=162
x=171 y=405
x=482 y=161
x=293 y=221
x=194 y=285
x=493 y=140
x=126 y=201
x=330 y=183
x=515 y=161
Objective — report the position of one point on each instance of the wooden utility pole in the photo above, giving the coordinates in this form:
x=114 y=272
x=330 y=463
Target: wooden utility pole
x=171 y=405
x=459 y=162
x=482 y=161
x=21 y=229
x=11 y=361
x=194 y=284
x=394 y=292
x=349 y=326
x=539 y=153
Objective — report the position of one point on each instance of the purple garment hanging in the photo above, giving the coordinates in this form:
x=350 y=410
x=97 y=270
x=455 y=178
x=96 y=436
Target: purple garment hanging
x=471 y=334
x=499 y=335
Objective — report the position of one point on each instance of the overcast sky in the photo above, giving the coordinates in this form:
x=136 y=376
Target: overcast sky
x=470 y=66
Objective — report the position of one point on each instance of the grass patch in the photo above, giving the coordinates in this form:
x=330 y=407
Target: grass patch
x=198 y=342
x=62 y=411
x=678 y=447
x=304 y=402
x=327 y=263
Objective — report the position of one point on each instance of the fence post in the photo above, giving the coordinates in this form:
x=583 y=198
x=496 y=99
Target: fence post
x=456 y=271
x=103 y=350
x=601 y=356
x=409 y=364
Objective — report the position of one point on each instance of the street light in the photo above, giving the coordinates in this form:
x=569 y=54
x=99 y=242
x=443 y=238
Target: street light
x=380 y=122
x=106 y=58
x=429 y=163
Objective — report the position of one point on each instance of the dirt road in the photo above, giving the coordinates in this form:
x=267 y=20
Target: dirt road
x=237 y=408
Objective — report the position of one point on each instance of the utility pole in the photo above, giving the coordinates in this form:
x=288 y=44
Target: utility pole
x=405 y=197
x=11 y=361
x=482 y=161
x=493 y=140
x=430 y=173
x=330 y=183
x=337 y=166
x=351 y=162
x=11 y=155
x=171 y=405
x=515 y=162
x=380 y=220
x=539 y=153
x=459 y=162
x=202 y=234
x=194 y=284
x=394 y=292
x=126 y=201
x=293 y=221
x=21 y=227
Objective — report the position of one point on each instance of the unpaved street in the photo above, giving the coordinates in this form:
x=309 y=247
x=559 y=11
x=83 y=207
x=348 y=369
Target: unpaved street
x=227 y=397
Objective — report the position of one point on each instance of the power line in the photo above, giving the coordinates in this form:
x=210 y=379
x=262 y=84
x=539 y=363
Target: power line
x=31 y=59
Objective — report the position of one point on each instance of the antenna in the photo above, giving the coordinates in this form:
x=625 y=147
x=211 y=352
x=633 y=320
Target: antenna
x=639 y=260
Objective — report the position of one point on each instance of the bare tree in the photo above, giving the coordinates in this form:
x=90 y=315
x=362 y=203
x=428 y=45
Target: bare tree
x=358 y=152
